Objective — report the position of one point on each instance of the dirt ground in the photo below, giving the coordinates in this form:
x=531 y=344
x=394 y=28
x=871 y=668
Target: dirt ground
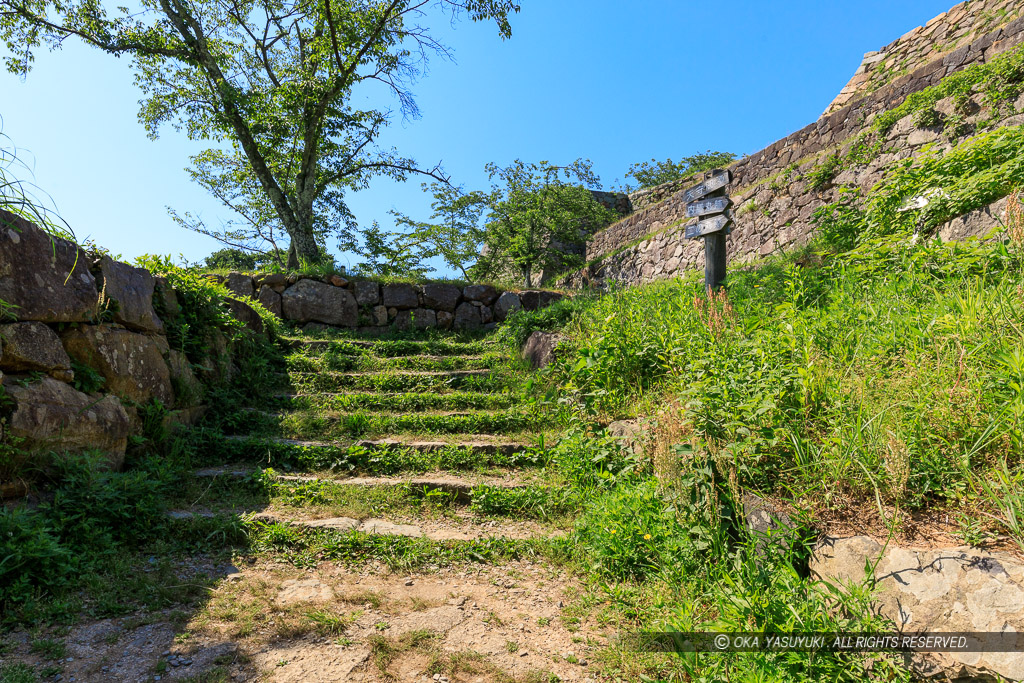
x=275 y=622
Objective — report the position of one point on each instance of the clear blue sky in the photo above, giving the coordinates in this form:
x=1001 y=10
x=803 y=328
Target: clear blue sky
x=610 y=81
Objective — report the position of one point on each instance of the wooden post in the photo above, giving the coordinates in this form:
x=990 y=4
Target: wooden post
x=710 y=198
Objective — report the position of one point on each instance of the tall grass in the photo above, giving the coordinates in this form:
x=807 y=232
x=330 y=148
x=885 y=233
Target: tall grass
x=886 y=372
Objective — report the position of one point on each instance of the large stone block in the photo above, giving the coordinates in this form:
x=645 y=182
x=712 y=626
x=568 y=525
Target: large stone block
x=540 y=348
x=167 y=297
x=245 y=314
x=188 y=390
x=309 y=300
x=131 y=363
x=240 y=284
x=507 y=303
x=400 y=295
x=271 y=300
x=45 y=278
x=485 y=294
x=467 y=317
x=367 y=292
x=33 y=346
x=132 y=289
x=951 y=590
x=441 y=297
x=52 y=415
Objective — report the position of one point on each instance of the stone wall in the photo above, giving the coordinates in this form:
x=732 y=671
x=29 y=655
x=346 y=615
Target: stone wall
x=960 y=26
x=773 y=200
x=370 y=306
x=64 y=310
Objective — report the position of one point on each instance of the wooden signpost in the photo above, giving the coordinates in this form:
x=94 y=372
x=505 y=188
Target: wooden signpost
x=709 y=202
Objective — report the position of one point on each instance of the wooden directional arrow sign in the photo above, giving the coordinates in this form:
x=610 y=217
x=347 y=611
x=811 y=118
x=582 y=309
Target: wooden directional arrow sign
x=715 y=182
x=707 y=226
x=708 y=206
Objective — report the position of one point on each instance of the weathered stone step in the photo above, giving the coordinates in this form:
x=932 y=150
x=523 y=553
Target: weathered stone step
x=389 y=348
x=417 y=363
x=406 y=402
x=320 y=424
x=386 y=455
x=395 y=381
x=462 y=528
x=460 y=488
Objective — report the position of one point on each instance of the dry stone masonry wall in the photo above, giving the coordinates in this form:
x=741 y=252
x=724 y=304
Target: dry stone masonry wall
x=773 y=198
x=83 y=348
x=952 y=30
x=370 y=306
x=64 y=310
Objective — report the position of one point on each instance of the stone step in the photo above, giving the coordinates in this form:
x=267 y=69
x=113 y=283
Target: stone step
x=388 y=348
x=394 y=381
x=375 y=364
x=459 y=487
x=333 y=424
x=384 y=455
x=462 y=528
x=405 y=402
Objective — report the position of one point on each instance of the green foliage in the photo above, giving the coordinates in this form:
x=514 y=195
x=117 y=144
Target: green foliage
x=627 y=533
x=214 y=449
x=652 y=173
x=526 y=501
x=310 y=425
x=454 y=235
x=93 y=515
x=87 y=380
x=972 y=175
x=277 y=98
x=1001 y=79
x=230 y=258
x=824 y=374
x=927 y=117
x=822 y=175
x=520 y=324
x=536 y=211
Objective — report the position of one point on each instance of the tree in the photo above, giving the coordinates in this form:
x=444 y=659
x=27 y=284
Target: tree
x=456 y=235
x=652 y=173
x=537 y=212
x=390 y=254
x=271 y=83
x=238 y=259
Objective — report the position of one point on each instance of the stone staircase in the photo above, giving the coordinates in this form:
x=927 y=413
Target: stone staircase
x=406 y=443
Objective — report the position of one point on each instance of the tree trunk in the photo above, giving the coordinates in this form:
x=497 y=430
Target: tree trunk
x=303 y=249
x=527 y=277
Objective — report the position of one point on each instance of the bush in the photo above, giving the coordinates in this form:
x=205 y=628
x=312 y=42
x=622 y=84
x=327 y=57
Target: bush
x=628 y=533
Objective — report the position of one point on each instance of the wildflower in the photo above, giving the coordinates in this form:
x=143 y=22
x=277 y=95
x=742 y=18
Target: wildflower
x=612 y=531
x=647 y=537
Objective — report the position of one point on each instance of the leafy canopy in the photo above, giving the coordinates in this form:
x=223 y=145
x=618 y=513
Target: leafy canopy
x=652 y=173
x=538 y=214
x=271 y=83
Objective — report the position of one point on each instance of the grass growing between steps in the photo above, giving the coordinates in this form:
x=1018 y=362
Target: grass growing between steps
x=398 y=403
x=334 y=362
x=394 y=382
x=212 y=448
x=387 y=348
x=320 y=425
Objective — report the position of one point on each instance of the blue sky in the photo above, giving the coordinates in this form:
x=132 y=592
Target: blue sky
x=606 y=80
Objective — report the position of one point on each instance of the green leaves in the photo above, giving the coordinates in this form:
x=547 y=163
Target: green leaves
x=538 y=213
x=653 y=172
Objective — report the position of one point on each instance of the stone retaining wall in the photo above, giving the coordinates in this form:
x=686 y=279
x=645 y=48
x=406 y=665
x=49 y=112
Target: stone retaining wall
x=62 y=309
x=773 y=200
x=83 y=343
x=960 y=26
x=371 y=306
